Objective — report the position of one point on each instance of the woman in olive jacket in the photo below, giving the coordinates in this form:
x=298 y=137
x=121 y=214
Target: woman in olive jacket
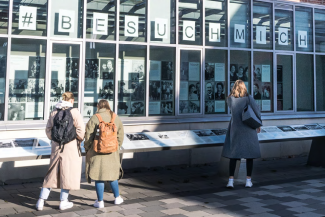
x=103 y=167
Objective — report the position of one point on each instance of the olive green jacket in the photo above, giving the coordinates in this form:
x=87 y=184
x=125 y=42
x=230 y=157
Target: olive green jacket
x=102 y=167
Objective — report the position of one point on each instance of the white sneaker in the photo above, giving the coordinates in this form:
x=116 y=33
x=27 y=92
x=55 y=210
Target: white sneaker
x=65 y=205
x=99 y=204
x=230 y=184
x=40 y=204
x=249 y=183
x=118 y=200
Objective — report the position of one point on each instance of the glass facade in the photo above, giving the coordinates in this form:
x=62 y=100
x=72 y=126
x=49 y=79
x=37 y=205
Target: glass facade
x=159 y=59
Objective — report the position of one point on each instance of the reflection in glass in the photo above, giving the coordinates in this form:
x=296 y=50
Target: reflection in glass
x=305 y=82
x=304 y=29
x=133 y=19
x=26 y=79
x=162 y=21
x=262 y=25
x=319 y=16
x=132 y=80
x=99 y=77
x=3 y=64
x=320 y=82
x=283 y=30
x=161 y=81
x=4 y=16
x=64 y=72
x=263 y=82
x=284 y=82
x=97 y=12
x=70 y=26
x=215 y=81
x=190 y=22
x=240 y=23
x=240 y=68
x=190 y=82
x=216 y=23
x=29 y=19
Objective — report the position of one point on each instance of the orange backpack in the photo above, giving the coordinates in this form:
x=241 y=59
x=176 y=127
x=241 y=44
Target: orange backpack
x=106 y=142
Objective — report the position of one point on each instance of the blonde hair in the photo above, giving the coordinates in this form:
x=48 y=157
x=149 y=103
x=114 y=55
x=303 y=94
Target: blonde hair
x=67 y=96
x=239 y=89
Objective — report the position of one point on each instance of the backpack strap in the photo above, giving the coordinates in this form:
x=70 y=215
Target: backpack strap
x=113 y=117
x=99 y=118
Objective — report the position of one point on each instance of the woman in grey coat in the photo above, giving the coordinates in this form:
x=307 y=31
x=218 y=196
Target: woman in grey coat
x=241 y=140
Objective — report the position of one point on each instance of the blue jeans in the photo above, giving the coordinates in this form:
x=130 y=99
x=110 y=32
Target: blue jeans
x=100 y=185
x=45 y=192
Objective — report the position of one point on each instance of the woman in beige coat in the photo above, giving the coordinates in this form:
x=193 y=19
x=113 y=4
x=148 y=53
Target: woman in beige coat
x=103 y=167
x=65 y=164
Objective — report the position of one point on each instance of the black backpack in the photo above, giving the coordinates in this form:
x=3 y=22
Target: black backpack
x=63 y=130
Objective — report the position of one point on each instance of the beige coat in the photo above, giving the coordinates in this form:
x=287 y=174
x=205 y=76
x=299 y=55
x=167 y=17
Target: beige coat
x=102 y=167
x=65 y=167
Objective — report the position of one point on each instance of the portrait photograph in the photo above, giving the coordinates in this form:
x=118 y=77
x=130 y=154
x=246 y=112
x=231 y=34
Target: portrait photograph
x=266 y=91
x=209 y=71
x=183 y=107
x=91 y=68
x=257 y=72
x=36 y=67
x=184 y=71
x=209 y=90
x=106 y=90
x=167 y=108
x=138 y=67
x=233 y=72
x=194 y=107
x=106 y=69
x=242 y=73
x=209 y=107
x=167 y=72
x=16 y=111
x=154 y=90
x=193 y=91
x=257 y=90
x=219 y=90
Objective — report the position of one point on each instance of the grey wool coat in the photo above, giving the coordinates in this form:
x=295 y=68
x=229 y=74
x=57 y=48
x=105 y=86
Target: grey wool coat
x=241 y=140
x=102 y=167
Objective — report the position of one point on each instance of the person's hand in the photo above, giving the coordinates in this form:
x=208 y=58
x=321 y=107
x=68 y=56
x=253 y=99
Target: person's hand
x=258 y=130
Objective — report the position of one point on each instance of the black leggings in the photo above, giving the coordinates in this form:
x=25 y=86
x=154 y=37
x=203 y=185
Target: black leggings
x=232 y=166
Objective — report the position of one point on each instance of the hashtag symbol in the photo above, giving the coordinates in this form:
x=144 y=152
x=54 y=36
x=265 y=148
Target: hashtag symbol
x=25 y=19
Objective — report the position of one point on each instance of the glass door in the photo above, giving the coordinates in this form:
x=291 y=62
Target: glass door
x=284 y=77
x=65 y=68
x=190 y=73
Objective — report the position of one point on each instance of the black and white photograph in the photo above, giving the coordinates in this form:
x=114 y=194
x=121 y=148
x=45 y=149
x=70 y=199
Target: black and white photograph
x=202 y=133
x=257 y=91
x=209 y=71
x=106 y=91
x=20 y=85
x=286 y=128
x=72 y=85
x=72 y=67
x=137 y=108
x=89 y=109
x=3 y=64
x=16 y=111
x=167 y=87
x=167 y=96
x=194 y=107
x=167 y=108
x=36 y=67
x=193 y=91
x=257 y=72
x=167 y=72
x=266 y=91
x=209 y=90
x=137 y=90
x=57 y=88
x=209 y=107
x=154 y=90
x=133 y=76
x=106 y=69
x=137 y=136
x=242 y=73
x=233 y=72
x=123 y=91
x=123 y=108
x=138 y=66
x=231 y=86
x=219 y=91
x=184 y=71
x=220 y=132
x=91 y=68
x=300 y=128
x=183 y=107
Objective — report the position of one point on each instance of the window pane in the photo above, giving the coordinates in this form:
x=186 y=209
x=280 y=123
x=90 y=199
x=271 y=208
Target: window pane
x=23 y=24
x=284 y=82
x=133 y=20
x=4 y=16
x=262 y=25
x=319 y=30
x=66 y=18
x=101 y=19
x=162 y=21
x=190 y=82
x=283 y=30
x=99 y=76
x=3 y=68
x=216 y=23
x=26 y=79
x=240 y=68
x=304 y=29
x=132 y=80
x=263 y=82
x=162 y=81
x=215 y=81
x=240 y=23
x=190 y=22
x=65 y=68
x=305 y=82
x=320 y=82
